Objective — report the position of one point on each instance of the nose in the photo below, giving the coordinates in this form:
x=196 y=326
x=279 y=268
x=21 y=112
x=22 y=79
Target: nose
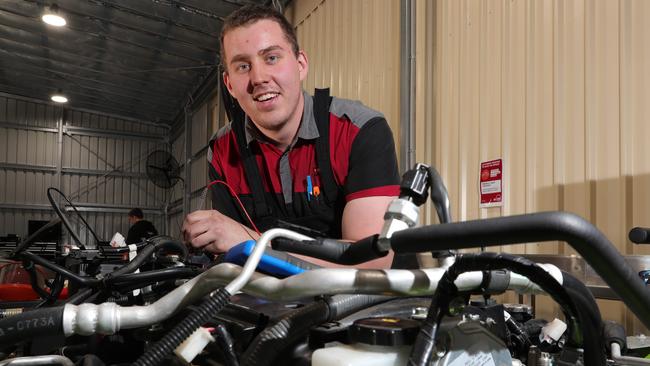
x=258 y=74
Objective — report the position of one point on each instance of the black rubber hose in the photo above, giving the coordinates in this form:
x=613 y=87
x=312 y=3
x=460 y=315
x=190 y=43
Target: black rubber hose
x=424 y=345
x=161 y=243
x=275 y=339
x=24 y=326
x=439 y=196
x=80 y=280
x=576 y=307
x=226 y=345
x=639 y=235
x=25 y=243
x=145 y=278
x=586 y=239
x=33 y=279
x=202 y=314
x=333 y=250
x=272 y=341
x=590 y=319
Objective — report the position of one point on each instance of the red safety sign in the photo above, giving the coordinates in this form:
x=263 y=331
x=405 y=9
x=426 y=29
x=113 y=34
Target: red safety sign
x=491 y=183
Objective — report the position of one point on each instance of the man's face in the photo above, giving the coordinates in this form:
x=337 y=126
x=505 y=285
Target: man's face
x=132 y=219
x=264 y=74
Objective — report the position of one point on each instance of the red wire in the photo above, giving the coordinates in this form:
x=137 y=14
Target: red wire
x=232 y=193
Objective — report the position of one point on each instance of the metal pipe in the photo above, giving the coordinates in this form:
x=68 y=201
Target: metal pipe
x=407 y=85
x=250 y=265
x=626 y=360
x=59 y=152
x=122 y=117
x=108 y=318
x=37 y=360
x=87 y=131
x=187 y=182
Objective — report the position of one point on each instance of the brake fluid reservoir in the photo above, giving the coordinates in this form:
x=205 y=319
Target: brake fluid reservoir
x=374 y=341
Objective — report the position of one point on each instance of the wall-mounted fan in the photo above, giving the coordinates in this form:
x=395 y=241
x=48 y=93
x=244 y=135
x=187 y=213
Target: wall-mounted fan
x=163 y=169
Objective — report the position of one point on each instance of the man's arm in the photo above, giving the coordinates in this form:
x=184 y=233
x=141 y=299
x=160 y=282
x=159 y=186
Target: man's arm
x=363 y=217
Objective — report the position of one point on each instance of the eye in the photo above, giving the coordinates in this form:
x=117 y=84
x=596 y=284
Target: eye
x=271 y=59
x=242 y=67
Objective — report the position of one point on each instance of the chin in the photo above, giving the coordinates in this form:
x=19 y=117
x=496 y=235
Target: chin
x=269 y=122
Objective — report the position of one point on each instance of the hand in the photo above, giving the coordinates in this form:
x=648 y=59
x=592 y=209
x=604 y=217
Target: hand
x=213 y=231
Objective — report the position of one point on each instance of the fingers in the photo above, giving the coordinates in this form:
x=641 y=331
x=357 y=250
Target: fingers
x=196 y=216
x=193 y=231
x=211 y=230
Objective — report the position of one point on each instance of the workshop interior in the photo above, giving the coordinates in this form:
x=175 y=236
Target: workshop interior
x=521 y=225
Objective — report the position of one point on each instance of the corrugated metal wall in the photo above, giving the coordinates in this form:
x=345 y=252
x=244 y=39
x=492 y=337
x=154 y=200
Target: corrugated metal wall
x=557 y=89
x=352 y=48
x=102 y=166
x=205 y=120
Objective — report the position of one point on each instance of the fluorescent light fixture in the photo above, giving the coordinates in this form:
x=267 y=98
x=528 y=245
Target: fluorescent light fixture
x=52 y=17
x=59 y=98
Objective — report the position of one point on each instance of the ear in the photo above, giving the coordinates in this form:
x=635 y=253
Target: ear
x=303 y=64
x=226 y=81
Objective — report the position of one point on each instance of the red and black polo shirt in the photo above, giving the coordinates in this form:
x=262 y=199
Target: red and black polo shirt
x=362 y=156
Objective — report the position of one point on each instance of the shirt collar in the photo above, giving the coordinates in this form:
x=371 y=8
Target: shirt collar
x=307 y=130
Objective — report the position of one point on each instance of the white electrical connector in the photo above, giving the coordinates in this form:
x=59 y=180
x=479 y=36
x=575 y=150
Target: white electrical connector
x=194 y=344
x=552 y=332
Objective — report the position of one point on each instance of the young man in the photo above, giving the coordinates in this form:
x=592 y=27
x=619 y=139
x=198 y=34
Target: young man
x=140 y=229
x=326 y=164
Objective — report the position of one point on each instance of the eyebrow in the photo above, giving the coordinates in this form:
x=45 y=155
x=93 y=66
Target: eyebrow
x=242 y=57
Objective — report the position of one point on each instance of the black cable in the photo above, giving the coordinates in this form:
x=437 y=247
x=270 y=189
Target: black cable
x=55 y=289
x=25 y=243
x=33 y=279
x=202 y=314
x=159 y=243
x=64 y=218
x=272 y=341
x=81 y=280
x=145 y=278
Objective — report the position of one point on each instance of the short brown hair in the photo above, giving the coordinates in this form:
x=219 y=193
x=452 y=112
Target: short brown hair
x=136 y=212
x=249 y=14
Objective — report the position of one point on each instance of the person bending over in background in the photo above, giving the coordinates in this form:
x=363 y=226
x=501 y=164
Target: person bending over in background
x=327 y=164
x=140 y=229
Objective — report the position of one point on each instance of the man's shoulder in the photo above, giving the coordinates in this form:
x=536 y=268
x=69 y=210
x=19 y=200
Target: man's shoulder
x=221 y=132
x=143 y=224
x=355 y=111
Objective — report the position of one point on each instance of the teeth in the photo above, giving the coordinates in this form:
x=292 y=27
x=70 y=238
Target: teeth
x=265 y=97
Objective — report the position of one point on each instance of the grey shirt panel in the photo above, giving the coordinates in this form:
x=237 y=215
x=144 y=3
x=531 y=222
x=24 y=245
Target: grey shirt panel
x=356 y=112
x=308 y=130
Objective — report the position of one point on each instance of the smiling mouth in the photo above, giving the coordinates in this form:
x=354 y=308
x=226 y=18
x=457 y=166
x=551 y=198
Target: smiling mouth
x=265 y=97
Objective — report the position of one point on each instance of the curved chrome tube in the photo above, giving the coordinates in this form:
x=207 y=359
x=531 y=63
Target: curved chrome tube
x=108 y=318
x=37 y=360
x=262 y=243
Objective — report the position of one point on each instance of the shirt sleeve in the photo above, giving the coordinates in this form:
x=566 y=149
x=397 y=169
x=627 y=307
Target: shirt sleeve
x=372 y=167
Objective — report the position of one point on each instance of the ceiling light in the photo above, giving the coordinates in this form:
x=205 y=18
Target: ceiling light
x=51 y=17
x=58 y=97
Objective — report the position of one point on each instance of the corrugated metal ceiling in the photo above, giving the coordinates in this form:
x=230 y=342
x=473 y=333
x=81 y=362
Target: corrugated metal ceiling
x=134 y=58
